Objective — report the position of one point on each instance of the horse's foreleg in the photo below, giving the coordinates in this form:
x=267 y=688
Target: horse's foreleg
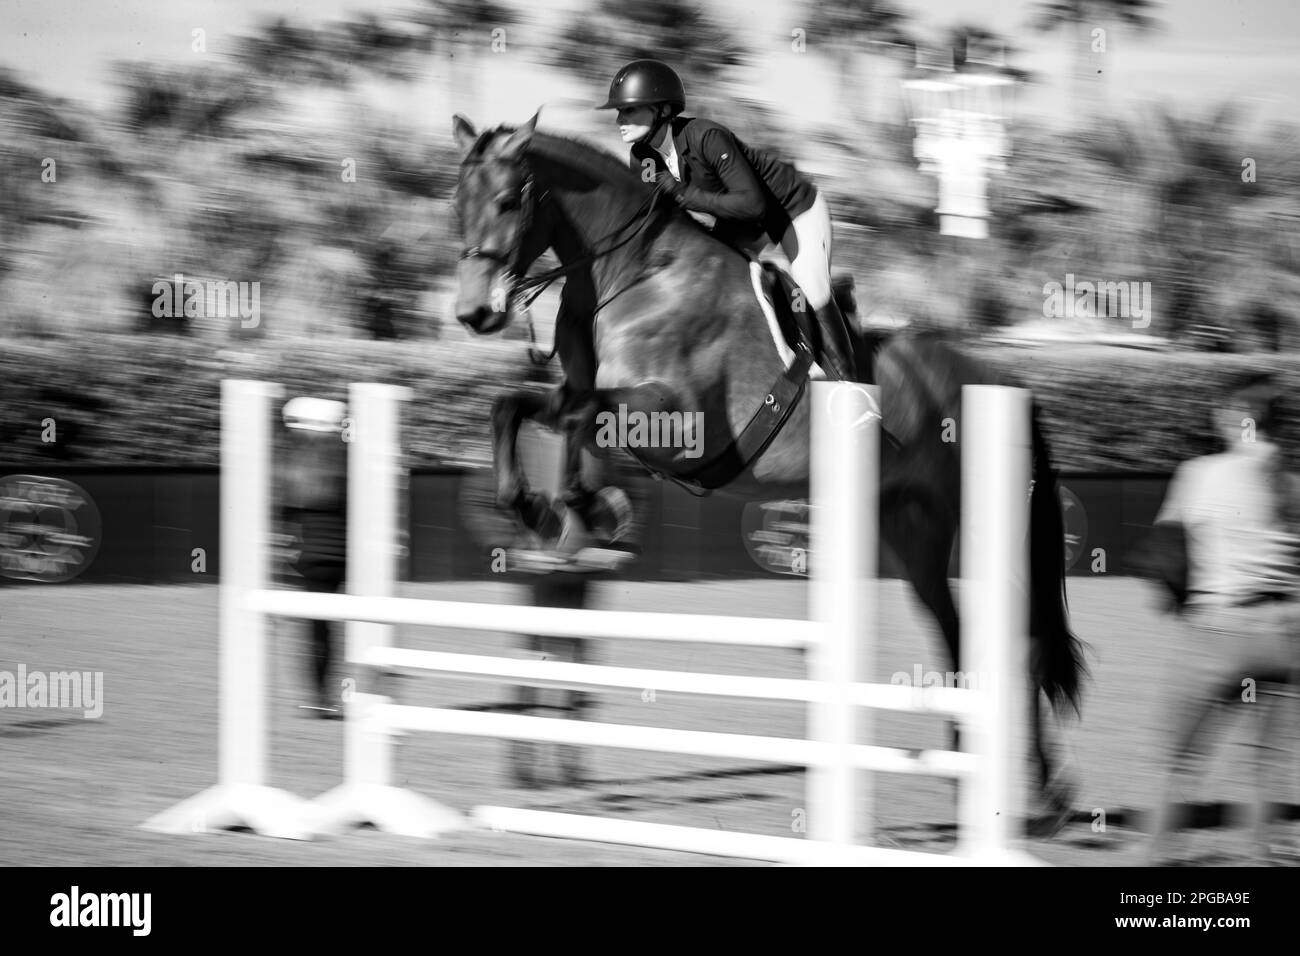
x=605 y=507
x=575 y=416
x=509 y=412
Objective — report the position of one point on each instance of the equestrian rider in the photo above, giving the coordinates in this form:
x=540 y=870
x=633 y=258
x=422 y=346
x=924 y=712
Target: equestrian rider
x=746 y=195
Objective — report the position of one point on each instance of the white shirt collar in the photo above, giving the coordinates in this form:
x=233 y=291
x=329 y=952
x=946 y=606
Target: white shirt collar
x=669 y=152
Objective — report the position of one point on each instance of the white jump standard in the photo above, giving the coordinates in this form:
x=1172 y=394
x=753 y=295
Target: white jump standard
x=840 y=640
x=241 y=797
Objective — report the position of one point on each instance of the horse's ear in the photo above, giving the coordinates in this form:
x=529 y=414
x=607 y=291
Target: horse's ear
x=514 y=147
x=464 y=132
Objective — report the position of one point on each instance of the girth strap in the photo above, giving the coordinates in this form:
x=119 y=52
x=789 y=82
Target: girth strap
x=754 y=438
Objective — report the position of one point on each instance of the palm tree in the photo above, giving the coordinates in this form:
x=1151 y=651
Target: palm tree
x=459 y=32
x=855 y=30
x=613 y=32
x=1176 y=211
x=1080 y=18
x=973 y=45
x=287 y=51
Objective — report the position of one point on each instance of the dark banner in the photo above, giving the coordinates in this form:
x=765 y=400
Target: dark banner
x=136 y=525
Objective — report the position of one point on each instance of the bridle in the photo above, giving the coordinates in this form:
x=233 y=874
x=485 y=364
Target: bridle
x=527 y=206
x=533 y=286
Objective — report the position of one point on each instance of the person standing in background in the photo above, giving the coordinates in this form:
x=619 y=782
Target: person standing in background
x=1236 y=512
x=313 y=500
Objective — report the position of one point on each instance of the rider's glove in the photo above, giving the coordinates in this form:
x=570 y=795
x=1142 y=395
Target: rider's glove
x=668 y=183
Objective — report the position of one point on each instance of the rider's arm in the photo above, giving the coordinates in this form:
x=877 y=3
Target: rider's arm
x=743 y=196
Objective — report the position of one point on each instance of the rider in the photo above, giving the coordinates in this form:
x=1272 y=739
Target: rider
x=753 y=196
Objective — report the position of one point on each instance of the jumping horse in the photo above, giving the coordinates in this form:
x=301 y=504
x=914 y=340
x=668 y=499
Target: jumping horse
x=678 y=328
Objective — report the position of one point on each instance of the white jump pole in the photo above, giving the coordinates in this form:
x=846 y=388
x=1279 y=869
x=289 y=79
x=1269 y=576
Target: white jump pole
x=845 y=479
x=996 y=458
x=241 y=796
x=375 y=472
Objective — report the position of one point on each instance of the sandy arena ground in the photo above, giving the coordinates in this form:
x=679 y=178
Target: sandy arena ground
x=76 y=790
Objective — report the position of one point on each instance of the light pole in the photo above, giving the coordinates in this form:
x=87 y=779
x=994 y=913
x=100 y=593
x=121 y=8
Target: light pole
x=960 y=118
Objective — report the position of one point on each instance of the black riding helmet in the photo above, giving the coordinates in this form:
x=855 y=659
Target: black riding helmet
x=645 y=83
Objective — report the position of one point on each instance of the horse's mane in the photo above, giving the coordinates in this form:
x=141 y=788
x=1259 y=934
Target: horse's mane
x=571 y=153
x=584 y=158
x=584 y=161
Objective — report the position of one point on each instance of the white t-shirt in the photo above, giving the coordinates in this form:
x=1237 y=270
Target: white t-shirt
x=1237 y=543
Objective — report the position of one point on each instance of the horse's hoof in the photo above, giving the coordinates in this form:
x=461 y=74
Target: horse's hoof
x=614 y=508
x=1059 y=797
x=573 y=536
x=543 y=517
x=510 y=500
x=1049 y=824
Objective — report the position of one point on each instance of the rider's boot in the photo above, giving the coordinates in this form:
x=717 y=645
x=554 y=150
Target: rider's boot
x=835 y=355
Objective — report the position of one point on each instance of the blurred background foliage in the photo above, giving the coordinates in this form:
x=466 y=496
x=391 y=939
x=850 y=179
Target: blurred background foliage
x=275 y=165
x=155 y=399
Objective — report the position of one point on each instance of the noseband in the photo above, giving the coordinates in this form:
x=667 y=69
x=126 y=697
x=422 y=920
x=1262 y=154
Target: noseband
x=527 y=205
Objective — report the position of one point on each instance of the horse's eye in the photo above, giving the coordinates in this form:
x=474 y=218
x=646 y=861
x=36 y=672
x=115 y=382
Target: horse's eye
x=508 y=204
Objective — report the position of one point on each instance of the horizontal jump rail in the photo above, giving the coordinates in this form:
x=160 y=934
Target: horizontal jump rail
x=697 y=743
x=788 y=850
x=947 y=701
x=541 y=621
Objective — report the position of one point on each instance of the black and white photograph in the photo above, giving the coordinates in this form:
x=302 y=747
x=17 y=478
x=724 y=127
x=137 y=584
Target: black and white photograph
x=651 y=433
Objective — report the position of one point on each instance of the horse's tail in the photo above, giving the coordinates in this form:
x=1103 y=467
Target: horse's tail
x=1057 y=652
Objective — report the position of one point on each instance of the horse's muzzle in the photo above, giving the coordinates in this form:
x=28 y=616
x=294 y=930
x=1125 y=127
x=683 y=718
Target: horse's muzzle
x=484 y=320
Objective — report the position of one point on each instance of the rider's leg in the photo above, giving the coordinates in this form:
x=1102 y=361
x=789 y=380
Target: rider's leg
x=807 y=243
x=575 y=345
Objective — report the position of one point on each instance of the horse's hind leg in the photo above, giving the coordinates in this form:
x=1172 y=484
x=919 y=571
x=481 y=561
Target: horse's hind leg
x=923 y=541
x=1057 y=791
x=914 y=528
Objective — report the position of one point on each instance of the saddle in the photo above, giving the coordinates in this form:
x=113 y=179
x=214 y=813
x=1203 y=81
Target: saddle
x=778 y=290
x=795 y=335
x=793 y=329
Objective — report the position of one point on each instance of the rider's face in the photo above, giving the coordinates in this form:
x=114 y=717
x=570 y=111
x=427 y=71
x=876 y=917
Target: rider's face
x=634 y=122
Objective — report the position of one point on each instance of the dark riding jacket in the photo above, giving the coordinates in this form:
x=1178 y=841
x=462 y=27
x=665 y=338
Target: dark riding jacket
x=749 y=191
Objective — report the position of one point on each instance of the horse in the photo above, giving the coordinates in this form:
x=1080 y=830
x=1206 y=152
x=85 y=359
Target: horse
x=659 y=316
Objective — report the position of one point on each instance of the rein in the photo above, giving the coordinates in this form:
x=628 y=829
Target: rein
x=530 y=287
x=539 y=282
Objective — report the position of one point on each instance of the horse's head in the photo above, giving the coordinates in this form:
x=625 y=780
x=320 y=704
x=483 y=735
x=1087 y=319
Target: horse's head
x=495 y=203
